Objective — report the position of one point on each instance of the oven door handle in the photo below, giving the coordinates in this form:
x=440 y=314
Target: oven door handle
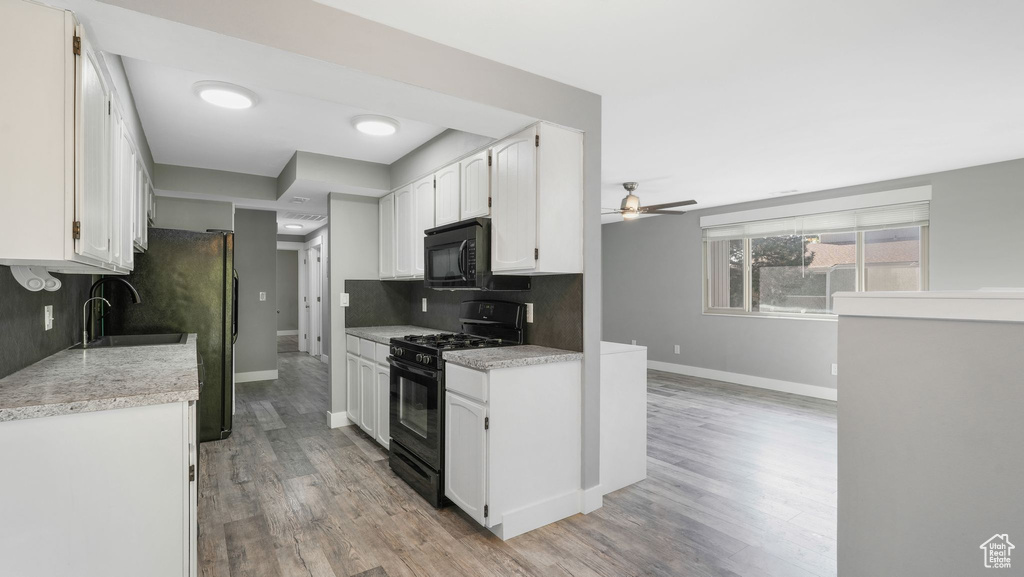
x=412 y=369
x=464 y=256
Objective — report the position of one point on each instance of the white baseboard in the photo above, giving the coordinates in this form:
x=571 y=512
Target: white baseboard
x=256 y=376
x=747 y=380
x=288 y=333
x=591 y=499
x=537 y=515
x=339 y=419
x=325 y=359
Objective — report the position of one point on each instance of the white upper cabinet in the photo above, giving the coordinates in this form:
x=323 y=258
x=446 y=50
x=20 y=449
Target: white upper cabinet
x=446 y=197
x=124 y=182
x=423 y=220
x=403 y=232
x=537 y=202
x=144 y=189
x=386 y=216
x=475 y=186
x=60 y=151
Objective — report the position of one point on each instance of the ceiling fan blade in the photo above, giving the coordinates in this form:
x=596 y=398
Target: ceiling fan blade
x=669 y=205
x=613 y=211
x=662 y=212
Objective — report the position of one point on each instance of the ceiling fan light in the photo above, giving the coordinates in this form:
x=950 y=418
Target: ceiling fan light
x=630 y=215
x=631 y=203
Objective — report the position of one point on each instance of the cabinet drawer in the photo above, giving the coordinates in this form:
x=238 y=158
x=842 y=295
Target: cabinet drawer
x=467 y=382
x=382 y=354
x=352 y=344
x=366 y=349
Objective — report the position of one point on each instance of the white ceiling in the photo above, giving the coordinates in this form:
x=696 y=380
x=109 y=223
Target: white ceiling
x=727 y=101
x=184 y=130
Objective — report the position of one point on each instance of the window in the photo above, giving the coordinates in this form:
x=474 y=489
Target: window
x=793 y=266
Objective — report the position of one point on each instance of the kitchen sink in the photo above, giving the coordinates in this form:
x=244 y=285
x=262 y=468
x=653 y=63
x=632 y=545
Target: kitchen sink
x=111 y=341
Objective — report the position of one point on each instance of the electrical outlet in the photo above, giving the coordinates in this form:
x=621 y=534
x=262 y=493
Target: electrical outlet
x=344 y=299
x=263 y=296
x=529 y=312
x=634 y=341
x=677 y=349
x=48 y=317
x=424 y=304
x=835 y=369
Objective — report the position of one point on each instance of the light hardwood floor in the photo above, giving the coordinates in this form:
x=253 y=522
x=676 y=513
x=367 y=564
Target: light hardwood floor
x=741 y=482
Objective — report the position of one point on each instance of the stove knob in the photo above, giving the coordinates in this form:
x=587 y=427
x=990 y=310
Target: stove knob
x=427 y=359
x=398 y=351
x=419 y=358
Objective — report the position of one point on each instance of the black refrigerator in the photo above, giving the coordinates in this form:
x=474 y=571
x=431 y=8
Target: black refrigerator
x=188 y=284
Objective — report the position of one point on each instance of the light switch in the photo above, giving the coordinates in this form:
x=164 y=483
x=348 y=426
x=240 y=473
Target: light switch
x=529 y=312
x=344 y=299
x=263 y=296
x=48 y=317
x=424 y=304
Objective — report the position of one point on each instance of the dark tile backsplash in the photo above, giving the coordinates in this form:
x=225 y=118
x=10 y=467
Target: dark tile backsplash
x=557 y=307
x=23 y=338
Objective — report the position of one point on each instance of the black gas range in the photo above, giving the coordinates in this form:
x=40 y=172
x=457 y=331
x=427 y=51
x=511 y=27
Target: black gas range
x=417 y=389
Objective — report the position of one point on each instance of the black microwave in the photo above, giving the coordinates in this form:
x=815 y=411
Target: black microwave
x=457 y=256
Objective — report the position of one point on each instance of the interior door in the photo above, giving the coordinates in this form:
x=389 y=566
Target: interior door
x=447 y=195
x=315 y=321
x=423 y=219
x=514 y=214
x=465 y=457
x=93 y=206
x=475 y=186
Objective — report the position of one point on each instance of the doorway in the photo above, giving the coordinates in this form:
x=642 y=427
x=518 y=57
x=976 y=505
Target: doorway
x=312 y=281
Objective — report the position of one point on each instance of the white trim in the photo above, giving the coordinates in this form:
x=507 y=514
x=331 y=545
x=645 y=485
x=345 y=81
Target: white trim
x=994 y=305
x=592 y=499
x=537 y=515
x=287 y=245
x=747 y=380
x=339 y=419
x=325 y=359
x=256 y=376
x=900 y=196
x=288 y=333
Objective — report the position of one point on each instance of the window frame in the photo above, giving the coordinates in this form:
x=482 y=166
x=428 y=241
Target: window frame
x=748 y=297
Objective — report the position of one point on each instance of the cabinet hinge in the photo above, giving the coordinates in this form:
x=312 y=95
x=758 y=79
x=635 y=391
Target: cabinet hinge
x=317 y=299
x=191 y=473
x=108 y=108
x=536 y=140
x=317 y=259
x=489 y=160
x=488 y=202
x=76 y=45
x=487 y=511
x=304 y=336
x=435 y=184
x=536 y=254
x=487 y=423
x=318 y=339
x=76 y=230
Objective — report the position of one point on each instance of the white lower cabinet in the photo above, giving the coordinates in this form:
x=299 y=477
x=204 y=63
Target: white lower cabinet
x=369 y=387
x=352 y=377
x=383 y=432
x=512 y=444
x=367 y=395
x=107 y=493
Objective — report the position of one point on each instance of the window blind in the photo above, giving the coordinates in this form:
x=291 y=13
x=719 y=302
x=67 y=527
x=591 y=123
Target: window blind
x=891 y=216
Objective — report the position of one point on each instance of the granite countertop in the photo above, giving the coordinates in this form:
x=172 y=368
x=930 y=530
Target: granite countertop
x=508 y=357
x=383 y=335
x=80 y=381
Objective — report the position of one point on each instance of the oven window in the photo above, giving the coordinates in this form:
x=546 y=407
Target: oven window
x=444 y=263
x=413 y=406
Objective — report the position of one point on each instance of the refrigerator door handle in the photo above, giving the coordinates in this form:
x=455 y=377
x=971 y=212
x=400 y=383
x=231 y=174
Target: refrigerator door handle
x=234 y=306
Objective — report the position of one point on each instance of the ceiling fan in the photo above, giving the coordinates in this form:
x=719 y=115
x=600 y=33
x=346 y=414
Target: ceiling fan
x=631 y=208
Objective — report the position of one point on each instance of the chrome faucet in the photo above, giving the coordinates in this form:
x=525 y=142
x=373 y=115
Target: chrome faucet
x=85 y=319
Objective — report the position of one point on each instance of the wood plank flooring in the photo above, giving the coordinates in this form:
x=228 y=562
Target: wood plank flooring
x=741 y=482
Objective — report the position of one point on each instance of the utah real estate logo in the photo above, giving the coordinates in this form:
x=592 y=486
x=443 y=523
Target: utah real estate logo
x=997 y=551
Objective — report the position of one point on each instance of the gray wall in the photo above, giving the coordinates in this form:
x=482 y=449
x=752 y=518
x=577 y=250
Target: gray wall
x=197 y=215
x=557 y=305
x=353 y=255
x=256 y=262
x=653 y=276
x=433 y=154
x=23 y=338
x=930 y=437
x=290 y=238
x=287 y=290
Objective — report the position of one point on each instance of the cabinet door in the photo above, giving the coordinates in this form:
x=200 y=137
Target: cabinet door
x=386 y=215
x=423 y=219
x=446 y=199
x=117 y=182
x=465 y=459
x=475 y=186
x=128 y=184
x=383 y=405
x=403 y=232
x=367 y=398
x=352 y=378
x=514 y=210
x=93 y=203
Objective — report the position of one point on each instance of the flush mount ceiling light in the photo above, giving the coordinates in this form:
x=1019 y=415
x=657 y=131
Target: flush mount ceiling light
x=375 y=125
x=225 y=95
x=293 y=226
